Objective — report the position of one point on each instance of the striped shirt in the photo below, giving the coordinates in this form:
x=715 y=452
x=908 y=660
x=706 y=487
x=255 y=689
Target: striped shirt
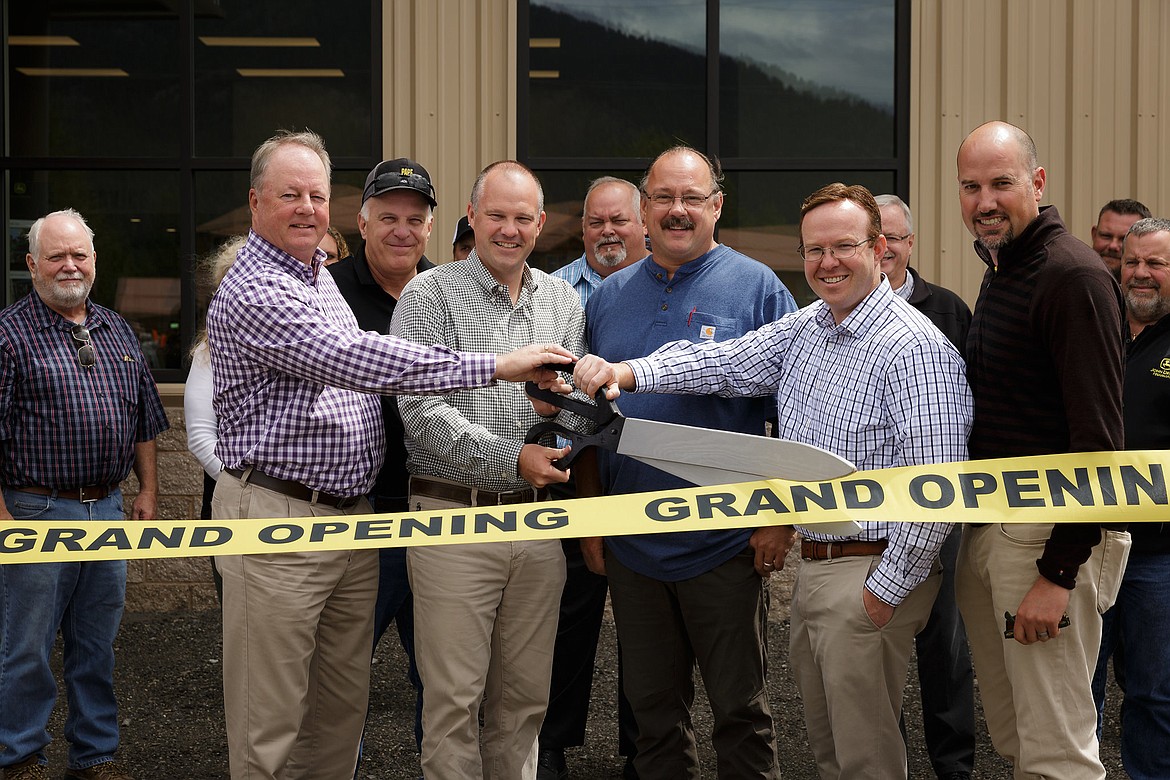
x=475 y=437
x=882 y=389
x=294 y=376
x=63 y=425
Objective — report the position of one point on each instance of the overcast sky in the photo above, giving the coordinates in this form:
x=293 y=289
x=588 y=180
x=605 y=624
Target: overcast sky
x=845 y=44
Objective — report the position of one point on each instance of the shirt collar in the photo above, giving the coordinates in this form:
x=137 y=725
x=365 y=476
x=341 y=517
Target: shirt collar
x=687 y=268
x=864 y=317
x=45 y=318
x=580 y=269
x=266 y=250
x=479 y=272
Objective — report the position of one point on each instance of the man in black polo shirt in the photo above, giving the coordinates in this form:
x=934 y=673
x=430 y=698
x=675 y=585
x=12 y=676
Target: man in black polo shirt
x=1137 y=627
x=395 y=221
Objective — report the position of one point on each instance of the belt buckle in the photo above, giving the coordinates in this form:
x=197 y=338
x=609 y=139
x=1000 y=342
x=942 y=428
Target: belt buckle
x=828 y=551
x=82 y=499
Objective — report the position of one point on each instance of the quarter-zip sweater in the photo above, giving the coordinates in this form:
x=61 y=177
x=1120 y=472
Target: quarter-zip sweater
x=1044 y=359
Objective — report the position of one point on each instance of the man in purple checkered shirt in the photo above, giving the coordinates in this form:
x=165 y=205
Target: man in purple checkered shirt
x=78 y=409
x=301 y=435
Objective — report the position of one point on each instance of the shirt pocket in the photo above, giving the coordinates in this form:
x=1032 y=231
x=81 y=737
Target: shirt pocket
x=708 y=327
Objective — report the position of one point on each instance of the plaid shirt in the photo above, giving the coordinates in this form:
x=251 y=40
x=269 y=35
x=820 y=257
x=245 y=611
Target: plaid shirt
x=62 y=425
x=294 y=375
x=475 y=438
x=882 y=389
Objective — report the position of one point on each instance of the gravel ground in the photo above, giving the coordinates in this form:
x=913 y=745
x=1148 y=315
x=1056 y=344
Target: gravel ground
x=169 y=688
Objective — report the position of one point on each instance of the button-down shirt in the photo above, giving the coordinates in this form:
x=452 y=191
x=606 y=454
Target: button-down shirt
x=294 y=374
x=475 y=438
x=63 y=425
x=882 y=389
x=582 y=276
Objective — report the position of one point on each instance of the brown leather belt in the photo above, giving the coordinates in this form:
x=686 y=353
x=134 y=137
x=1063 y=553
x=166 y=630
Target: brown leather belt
x=473 y=496
x=85 y=495
x=827 y=551
x=292 y=489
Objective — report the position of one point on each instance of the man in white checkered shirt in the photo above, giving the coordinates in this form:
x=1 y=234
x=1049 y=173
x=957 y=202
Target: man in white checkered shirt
x=863 y=374
x=486 y=614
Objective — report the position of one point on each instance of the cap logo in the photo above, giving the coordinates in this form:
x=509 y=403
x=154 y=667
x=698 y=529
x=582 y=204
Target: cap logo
x=406 y=171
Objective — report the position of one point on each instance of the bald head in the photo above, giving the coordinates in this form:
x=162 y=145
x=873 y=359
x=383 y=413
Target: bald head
x=1000 y=184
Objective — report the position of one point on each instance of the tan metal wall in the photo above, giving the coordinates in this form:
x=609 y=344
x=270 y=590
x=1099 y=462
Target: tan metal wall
x=448 y=79
x=1088 y=79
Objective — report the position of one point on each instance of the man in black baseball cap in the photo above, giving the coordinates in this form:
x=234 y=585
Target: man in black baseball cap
x=395 y=221
x=399 y=174
x=464 y=240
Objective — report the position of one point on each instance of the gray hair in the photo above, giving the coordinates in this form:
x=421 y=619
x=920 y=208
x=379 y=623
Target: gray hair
x=713 y=166
x=34 y=232
x=894 y=200
x=263 y=154
x=1144 y=227
x=635 y=194
x=365 y=209
x=477 y=187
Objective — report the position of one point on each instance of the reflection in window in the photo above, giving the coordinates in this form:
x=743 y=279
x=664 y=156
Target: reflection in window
x=257 y=71
x=221 y=213
x=134 y=216
x=560 y=240
x=619 y=80
x=761 y=216
x=86 y=85
x=796 y=82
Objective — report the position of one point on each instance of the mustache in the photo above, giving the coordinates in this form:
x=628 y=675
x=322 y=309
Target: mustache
x=676 y=222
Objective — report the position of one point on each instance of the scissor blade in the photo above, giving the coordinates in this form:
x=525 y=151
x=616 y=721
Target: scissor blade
x=708 y=457
x=723 y=453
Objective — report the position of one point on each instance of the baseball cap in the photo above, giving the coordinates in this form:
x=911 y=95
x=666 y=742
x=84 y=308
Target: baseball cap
x=399 y=174
x=462 y=228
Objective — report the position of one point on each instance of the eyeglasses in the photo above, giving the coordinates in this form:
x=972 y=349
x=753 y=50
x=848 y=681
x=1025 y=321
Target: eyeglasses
x=892 y=239
x=842 y=251
x=84 y=342
x=661 y=200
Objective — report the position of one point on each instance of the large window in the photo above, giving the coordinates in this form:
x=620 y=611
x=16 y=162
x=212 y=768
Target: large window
x=790 y=95
x=143 y=116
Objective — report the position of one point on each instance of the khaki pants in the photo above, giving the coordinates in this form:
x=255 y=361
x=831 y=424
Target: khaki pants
x=485 y=622
x=850 y=673
x=1037 y=699
x=297 y=629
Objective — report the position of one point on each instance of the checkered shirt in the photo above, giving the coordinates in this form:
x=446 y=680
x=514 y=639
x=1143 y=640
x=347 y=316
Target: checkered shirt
x=63 y=425
x=882 y=389
x=294 y=375
x=475 y=437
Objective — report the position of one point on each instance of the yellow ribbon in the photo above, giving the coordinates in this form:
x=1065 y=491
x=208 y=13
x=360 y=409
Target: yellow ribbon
x=1098 y=487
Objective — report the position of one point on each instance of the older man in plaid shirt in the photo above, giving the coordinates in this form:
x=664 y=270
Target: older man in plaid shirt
x=300 y=434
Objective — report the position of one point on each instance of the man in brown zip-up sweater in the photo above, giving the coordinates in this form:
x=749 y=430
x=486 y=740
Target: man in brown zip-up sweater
x=1045 y=367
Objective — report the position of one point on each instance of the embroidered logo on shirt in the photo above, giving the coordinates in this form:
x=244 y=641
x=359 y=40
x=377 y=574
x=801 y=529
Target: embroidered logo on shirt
x=707 y=332
x=1162 y=370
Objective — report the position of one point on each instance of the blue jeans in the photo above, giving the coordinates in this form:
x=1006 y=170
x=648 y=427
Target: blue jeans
x=85 y=601
x=1138 y=626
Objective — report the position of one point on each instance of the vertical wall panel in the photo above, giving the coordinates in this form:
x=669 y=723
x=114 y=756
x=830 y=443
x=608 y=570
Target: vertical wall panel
x=1089 y=80
x=449 y=85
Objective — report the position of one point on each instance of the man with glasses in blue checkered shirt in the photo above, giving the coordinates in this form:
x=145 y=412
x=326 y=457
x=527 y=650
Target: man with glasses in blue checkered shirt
x=863 y=374
x=78 y=410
